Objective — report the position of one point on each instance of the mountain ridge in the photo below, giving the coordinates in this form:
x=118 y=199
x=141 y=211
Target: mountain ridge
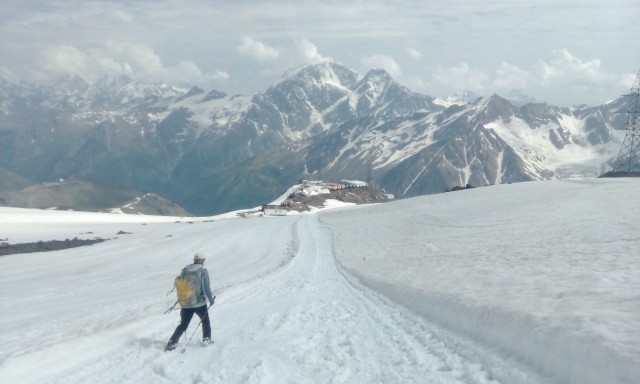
x=84 y=195
x=212 y=152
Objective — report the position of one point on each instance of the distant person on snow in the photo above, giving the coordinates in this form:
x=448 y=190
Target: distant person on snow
x=198 y=305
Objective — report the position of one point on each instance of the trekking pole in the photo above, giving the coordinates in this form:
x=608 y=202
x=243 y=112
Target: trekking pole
x=171 y=309
x=206 y=313
x=174 y=304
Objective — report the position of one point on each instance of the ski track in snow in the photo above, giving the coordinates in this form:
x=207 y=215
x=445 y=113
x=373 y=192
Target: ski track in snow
x=307 y=322
x=314 y=318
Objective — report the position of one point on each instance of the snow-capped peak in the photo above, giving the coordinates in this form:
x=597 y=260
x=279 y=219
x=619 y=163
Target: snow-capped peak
x=322 y=73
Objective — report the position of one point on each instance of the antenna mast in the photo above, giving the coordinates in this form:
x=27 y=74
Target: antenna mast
x=629 y=156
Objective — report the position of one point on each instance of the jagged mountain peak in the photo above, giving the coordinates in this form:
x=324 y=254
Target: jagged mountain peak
x=194 y=91
x=122 y=83
x=499 y=107
x=322 y=73
x=376 y=81
x=115 y=92
x=305 y=94
x=498 y=102
x=214 y=95
x=494 y=107
x=378 y=74
x=491 y=100
x=376 y=89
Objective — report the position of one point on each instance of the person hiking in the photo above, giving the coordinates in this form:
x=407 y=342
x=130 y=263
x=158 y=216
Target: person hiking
x=198 y=304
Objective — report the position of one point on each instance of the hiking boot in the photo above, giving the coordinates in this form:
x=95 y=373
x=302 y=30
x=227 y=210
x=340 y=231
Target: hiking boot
x=170 y=346
x=206 y=341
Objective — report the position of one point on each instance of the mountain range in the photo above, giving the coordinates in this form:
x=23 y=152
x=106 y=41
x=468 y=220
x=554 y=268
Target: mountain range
x=211 y=152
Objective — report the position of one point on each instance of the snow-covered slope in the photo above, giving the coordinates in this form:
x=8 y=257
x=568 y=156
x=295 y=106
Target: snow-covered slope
x=524 y=283
x=545 y=148
x=545 y=272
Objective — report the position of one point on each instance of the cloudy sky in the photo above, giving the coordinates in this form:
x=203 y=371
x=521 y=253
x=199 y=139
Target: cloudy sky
x=564 y=52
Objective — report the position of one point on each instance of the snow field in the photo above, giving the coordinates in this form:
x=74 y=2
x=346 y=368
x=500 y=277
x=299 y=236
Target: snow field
x=525 y=283
x=546 y=275
x=71 y=310
x=304 y=321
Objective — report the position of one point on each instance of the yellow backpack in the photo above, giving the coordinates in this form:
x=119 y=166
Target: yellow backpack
x=188 y=288
x=184 y=291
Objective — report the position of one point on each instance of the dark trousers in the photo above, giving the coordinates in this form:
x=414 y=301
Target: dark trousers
x=185 y=317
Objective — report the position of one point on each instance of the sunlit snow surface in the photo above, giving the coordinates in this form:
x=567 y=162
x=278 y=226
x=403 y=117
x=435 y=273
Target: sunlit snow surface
x=526 y=283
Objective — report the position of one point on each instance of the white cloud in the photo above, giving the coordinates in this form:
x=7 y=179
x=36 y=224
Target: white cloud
x=139 y=57
x=190 y=73
x=114 y=58
x=558 y=79
x=385 y=62
x=567 y=69
x=65 y=59
x=460 y=77
x=220 y=75
x=122 y=58
x=416 y=84
x=308 y=51
x=562 y=77
x=5 y=72
x=414 y=53
x=257 y=49
x=89 y=37
x=510 y=77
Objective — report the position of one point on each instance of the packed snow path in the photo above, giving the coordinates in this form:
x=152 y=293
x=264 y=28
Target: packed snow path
x=309 y=322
